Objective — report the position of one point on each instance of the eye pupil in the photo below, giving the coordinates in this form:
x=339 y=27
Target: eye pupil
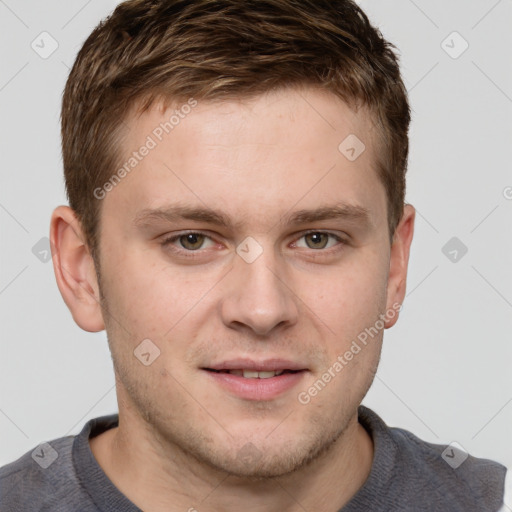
x=192 y=241
x=319 y=240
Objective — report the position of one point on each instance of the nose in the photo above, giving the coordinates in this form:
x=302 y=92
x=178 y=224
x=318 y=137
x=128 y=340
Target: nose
x=257 y=297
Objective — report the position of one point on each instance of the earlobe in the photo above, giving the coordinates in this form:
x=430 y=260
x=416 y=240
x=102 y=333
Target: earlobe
x=399 y=261
x=74 y=270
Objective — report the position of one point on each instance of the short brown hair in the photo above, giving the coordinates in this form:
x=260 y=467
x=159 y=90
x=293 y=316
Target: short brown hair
x=224 y=49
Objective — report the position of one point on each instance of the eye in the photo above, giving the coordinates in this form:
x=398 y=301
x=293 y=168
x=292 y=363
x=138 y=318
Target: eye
x=319 y=240
x=191 y=241
x=195 y=241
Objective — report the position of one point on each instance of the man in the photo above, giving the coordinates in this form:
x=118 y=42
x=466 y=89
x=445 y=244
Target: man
x=236 y=179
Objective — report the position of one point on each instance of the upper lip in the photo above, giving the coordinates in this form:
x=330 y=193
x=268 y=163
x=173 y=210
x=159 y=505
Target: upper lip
x=264 y=365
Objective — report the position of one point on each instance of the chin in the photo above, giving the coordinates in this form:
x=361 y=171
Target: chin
x=263 y=461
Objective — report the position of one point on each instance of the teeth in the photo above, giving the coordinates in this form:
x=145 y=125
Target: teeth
x=267 y=375
x=251 y=374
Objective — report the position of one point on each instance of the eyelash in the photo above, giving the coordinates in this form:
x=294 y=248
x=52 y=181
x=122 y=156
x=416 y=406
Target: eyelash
x=194 y=254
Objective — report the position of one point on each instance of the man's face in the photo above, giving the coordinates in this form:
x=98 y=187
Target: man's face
x=277 y=287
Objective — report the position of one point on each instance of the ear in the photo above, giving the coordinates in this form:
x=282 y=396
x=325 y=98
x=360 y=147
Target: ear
x=74 y=270
x=399 y=260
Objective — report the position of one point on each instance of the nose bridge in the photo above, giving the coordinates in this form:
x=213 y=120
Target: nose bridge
x=258 y=297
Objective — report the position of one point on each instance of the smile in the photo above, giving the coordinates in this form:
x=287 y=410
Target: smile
x=252 y=374
x=256 y=380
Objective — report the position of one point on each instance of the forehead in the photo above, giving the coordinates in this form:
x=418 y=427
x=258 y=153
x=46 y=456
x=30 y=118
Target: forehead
x=251 y=158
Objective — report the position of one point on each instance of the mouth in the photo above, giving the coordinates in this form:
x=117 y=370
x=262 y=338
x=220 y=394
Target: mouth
x=254 y=374
x=253 y=380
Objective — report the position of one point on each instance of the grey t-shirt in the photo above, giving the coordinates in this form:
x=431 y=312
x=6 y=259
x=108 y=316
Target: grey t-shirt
x=407 y=474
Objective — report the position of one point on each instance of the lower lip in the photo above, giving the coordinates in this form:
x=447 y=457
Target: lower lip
x=256 y=389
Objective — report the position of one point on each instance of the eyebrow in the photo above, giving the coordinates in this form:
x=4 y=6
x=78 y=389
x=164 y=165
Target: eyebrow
x=174 y=213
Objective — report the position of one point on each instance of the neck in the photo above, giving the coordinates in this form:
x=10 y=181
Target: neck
x=156 y=477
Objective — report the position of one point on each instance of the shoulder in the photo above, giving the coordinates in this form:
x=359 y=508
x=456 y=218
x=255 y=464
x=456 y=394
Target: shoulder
x=47 y=477
x=450 y=470
x=446 y=477
x=39 y=477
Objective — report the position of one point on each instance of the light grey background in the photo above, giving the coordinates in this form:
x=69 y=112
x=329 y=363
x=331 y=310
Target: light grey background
x=445 y=371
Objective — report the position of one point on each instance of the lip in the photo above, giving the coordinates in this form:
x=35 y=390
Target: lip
x=256 y=389
x=264 y=365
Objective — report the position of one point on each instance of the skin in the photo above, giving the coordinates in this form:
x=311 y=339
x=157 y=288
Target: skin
x=183 y=440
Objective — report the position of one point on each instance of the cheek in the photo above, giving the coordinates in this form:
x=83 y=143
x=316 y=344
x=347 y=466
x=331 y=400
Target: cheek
x=149 y=296
x=349 y=300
